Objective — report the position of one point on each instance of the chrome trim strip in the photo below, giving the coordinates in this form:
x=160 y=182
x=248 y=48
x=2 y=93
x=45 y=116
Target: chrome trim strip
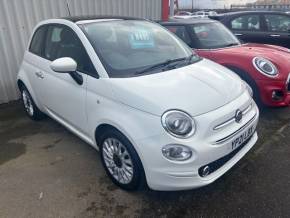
x=287 y=83
x=231 y=120
x=248 y=109
x=236 y=132
x=224 y=124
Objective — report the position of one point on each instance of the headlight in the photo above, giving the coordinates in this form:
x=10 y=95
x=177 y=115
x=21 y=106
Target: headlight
x=265 y=66
x=178 y=123
x=248 y=88
x=176 y=152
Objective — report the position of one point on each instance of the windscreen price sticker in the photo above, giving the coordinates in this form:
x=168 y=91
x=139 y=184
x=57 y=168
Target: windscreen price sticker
x=141 y=39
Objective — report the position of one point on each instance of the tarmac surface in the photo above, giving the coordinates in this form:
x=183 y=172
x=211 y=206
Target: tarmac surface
x=46 y=171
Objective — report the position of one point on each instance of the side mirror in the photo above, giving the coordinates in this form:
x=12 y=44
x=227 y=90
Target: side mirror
x=64 y=65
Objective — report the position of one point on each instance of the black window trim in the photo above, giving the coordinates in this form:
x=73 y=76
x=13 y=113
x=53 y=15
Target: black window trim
x=94 y=74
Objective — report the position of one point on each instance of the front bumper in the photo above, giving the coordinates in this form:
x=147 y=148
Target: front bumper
x=173 y=179
x=267 y=88
x=163 y=174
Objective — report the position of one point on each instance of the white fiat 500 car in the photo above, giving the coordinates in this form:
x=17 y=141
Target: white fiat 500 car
x=158 y=113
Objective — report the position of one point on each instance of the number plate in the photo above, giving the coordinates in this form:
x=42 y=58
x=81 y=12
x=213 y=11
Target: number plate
x=242 y=138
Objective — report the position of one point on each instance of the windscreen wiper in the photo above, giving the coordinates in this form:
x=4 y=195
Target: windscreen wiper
x=162 y=64
x=231 y=44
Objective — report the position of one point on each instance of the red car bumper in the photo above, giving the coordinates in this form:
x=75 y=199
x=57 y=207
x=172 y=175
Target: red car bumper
x=275 y=94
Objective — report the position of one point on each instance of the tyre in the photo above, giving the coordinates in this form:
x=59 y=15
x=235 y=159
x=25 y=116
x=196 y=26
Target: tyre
x=121 y=161
x=30 y=107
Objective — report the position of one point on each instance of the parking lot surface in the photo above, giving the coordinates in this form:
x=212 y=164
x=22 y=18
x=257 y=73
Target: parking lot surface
x=46 y=171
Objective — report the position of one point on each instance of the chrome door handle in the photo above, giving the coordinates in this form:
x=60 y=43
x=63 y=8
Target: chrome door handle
x=238 y=34
x=275 y=35
x=39 y=75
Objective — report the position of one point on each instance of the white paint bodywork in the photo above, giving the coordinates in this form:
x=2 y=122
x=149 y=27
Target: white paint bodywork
x=64 y=65
x=205 y=90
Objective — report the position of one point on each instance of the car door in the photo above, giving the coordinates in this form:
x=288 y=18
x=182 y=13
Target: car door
x=63 y=95
x=33 y=60
x=278 y=29
x=248 y=28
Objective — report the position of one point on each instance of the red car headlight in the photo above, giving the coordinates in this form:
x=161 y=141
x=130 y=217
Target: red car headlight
x=265 y=66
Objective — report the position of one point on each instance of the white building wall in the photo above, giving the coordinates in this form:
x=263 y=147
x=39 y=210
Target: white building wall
x=18 y=17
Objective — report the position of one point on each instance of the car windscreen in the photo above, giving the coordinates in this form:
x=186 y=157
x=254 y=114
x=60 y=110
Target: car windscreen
x=126 y=47
x=212 y=35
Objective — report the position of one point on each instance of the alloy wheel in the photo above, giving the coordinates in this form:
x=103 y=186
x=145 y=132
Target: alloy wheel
x=27 y=102
x=118 y=160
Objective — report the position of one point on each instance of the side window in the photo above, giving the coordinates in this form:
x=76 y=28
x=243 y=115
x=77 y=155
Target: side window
x=246 y=22
x=181 y=32
x=277 y=23
x=36 y=45
x=61 y=42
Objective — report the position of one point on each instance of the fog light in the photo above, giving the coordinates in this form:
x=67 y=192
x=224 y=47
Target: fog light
x=277 y=95
x=205 y=171
x=176 y=152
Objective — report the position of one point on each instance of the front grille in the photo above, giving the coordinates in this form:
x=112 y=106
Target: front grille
x=215 y=165
x=236 y=132
x=232 y=119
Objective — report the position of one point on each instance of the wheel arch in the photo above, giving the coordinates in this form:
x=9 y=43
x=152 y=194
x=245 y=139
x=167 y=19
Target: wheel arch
x=248 y=78
x=243 y=74
x=23 y=81
x=101 y=128
x=106 y=125
x=20 y=84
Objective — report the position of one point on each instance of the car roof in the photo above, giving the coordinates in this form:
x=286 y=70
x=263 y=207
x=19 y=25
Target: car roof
x=187 y=21
x=103 y=17
x=248 y=12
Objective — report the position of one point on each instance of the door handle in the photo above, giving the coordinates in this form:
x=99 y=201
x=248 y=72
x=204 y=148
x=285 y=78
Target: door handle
x=238 y=34
x=275 y=35
x=39 y=75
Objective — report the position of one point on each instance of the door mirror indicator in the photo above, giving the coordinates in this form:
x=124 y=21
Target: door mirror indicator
x=64 y=65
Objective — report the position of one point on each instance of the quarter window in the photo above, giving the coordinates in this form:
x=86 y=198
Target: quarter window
x=277 y=23
x=61 y=42
x=36 y=45
x=246 y=22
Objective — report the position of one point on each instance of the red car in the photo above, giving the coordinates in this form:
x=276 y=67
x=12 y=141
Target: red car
x=266 y=68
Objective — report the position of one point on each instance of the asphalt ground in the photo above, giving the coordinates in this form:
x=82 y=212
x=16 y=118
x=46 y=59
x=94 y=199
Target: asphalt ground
x=46 y=171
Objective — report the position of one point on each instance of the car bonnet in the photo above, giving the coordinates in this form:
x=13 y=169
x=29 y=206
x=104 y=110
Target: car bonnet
x=195 y=89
